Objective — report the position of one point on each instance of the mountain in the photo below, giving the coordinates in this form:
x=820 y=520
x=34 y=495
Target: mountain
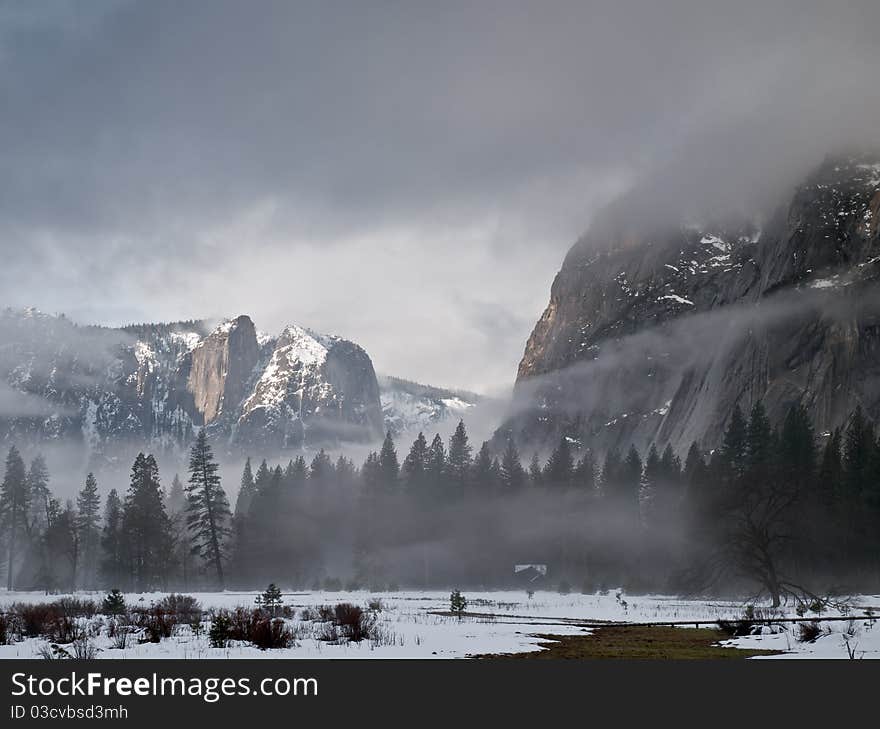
x=153 y=384
x=409 y=407
x=656 y=329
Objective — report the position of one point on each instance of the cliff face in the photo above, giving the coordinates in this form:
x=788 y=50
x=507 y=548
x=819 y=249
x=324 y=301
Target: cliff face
x=151 y=386
x=653 y=337
x=220 y=367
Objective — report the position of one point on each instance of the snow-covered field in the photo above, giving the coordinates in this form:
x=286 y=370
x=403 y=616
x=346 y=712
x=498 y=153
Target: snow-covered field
x=497 y=622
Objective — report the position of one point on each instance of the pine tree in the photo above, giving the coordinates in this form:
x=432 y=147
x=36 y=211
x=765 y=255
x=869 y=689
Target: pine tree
x=111 y=540
x=389 y=467
x=733 y=447
x=321 y=470
x=146 y=528
x=857 y=446
x=88 y=506
x=458 y=459
x=14 y=507
x=62 y=549
x=758 y=447
x=208 y=514
x=263 y=478
x=585 y=474
x=559 y=469
x=40 y=496
x=371 y=474
x=435 y=465
x=415 y=465
x=246 y=490
x=482 y=476
x=831 y=472
x=536 y=474
x=513 y=475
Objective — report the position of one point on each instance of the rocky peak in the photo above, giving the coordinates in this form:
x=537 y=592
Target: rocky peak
x=221 y=365
x=652 y=334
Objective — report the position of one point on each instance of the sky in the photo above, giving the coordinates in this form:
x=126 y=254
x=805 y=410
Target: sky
x=408 y=175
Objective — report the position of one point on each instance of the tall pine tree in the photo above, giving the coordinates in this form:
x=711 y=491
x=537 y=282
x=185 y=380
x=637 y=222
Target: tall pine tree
x=208 y=515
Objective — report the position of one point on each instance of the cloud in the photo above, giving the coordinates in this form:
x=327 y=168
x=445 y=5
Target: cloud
x=403 y=174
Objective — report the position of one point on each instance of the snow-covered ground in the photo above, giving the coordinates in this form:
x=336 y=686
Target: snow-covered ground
x=497 y=622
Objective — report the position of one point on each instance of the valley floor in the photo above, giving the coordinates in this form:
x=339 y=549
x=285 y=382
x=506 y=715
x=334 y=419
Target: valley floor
x=417 y=624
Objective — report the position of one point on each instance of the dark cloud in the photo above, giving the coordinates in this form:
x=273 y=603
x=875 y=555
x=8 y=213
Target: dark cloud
x=379 y=169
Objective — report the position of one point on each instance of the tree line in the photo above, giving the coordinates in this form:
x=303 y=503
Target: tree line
x=774 y=509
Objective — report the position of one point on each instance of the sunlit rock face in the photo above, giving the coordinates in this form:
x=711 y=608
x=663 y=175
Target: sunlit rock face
x=153 y=385
x=653 y=334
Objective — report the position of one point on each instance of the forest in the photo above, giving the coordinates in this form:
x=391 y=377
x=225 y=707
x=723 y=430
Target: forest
x=773 y=512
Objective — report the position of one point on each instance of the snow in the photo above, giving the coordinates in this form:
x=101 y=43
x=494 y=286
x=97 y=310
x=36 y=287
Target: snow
x=497 y=622
x=676 y=298
x=145 y=355
x=716 y=242
x=187 y=340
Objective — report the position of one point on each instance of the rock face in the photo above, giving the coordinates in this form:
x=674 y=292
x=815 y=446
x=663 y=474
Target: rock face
x=152 y=385
x=220 y=367
x=653 y=334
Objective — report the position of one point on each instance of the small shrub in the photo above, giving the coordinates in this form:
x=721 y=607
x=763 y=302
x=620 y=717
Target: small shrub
x=114 y=603
x=82 y=649
x=326 y=614
x=34 y=619
x=63 y=629
x=118 y=634
x=221 y=626
x=270 y=633
x=270 y=600
x=808 y=632
x=735 y=627
x=457 y=603
x=240 y=623
x=375 y=604
x=817 y=606
x=155 y=622
x=354 y=624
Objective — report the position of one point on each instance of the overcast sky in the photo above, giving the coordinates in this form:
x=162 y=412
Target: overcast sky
x=408 y=175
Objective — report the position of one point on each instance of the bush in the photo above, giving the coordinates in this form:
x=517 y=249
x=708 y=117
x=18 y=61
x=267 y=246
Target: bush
x=808 y=632
x=4 y=629
x=354 y=624
x=185 y=608
x=114 y=603
x=34 y=619
x=269 y=633
x=221 y=626
x=375 y=604
x=82 y=649
x=156 y=623
x=63 y=629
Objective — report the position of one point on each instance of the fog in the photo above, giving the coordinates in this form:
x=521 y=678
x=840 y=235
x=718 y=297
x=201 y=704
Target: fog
x=407 y=177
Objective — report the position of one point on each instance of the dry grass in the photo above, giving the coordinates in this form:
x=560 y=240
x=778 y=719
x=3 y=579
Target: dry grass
x=638 y=642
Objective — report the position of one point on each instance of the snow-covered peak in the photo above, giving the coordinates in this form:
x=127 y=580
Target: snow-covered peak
x=304 y=345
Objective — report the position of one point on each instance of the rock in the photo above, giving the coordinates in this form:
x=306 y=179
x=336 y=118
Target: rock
x=151 y=386
x=653 y=334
